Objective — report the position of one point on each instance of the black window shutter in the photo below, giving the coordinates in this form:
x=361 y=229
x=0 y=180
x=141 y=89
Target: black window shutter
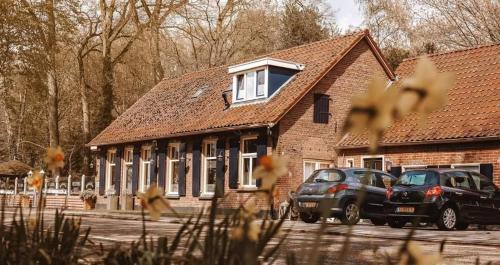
x=487 y=170
x=261 y=151
x=135 y=168
x=234 y=153
x=196 y=168
x=102 y=172
x=396 y=171
x=219 y=168
x=162 y=163
x=321 y=108
x=182 y=169
x=118 y=169
x=153 y=169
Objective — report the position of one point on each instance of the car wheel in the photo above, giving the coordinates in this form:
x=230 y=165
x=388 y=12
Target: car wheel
x=309 y=218
x=350 y=214
x=378 y=221
x=461 y=226
x=395 y=223
x=447 y=219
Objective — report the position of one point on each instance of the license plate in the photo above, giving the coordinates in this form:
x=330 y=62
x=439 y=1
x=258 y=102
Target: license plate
x=405 y=209
x=309 y=204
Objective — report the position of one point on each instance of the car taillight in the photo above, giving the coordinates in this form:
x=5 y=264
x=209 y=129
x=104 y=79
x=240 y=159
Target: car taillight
x=338 y=188
x=388 y=193
x=434 y=192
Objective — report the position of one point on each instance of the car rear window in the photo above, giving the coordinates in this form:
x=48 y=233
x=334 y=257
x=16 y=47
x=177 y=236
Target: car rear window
x=418 y=178
x=326 y=175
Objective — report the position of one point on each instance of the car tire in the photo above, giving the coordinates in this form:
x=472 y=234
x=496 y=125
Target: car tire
x=447 y=219
x=396 y=223
x=350 y=214
x=461 y=226
x=309 y=218
x=378 y=221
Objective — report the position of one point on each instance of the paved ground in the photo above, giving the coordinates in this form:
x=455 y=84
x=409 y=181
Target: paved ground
x=463 y=247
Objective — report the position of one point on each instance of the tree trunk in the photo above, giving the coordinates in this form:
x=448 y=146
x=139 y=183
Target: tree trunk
x=8 y=125
x=106 y=113
x=154 y=45
x=51 y=77
x=85 y=114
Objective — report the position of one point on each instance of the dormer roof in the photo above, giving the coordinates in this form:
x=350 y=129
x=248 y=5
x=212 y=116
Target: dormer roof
x=267 y=61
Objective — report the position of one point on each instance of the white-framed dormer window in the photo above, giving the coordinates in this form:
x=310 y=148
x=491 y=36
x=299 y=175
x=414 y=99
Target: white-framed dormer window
x=250 y=85
x=145 y=168
x=173 y=168
x=248 y=161
x=127 y=169
x=209 y=163
x=110 y=169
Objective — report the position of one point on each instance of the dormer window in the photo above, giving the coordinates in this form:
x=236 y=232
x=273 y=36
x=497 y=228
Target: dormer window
x=251 y=85
x=260 y=79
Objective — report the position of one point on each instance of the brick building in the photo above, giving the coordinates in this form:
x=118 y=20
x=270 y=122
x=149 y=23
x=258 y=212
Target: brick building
x=210 y=127
x=464 y=134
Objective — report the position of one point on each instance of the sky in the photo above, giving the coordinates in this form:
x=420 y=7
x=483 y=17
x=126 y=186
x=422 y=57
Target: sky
x=347 y=13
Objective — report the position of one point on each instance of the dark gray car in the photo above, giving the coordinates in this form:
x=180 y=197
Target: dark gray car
x=345 y=193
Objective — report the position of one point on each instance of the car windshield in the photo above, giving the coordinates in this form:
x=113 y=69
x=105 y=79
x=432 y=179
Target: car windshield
x=418 y=178
x=326 y=175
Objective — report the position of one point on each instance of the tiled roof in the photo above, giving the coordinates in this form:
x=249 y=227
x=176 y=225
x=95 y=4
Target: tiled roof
x=473 y=109
x=169 y=109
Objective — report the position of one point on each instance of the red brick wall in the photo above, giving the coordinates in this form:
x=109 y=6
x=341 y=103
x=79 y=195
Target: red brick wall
x=300 y=138
x=436 y=154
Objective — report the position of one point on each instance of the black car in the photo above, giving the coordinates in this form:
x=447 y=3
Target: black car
x=336 y=192
x=452 y=199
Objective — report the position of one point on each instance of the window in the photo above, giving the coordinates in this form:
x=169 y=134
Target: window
x=459 y=180
x=250 y=85
x=110 y=169
x=209 y=167
x=329 y=175
x=145 y=168
x=311 y=165
x=469 y=167
x=350 y=162
x=366 y=178
x=321 y=108
x=373 y=162
x=173 y=168
x=248 y=161
x=127 y=170
x=482 y=182
x=418 y=178
x=413 y=167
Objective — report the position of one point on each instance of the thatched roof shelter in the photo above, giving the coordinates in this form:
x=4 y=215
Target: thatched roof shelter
x=14 y=168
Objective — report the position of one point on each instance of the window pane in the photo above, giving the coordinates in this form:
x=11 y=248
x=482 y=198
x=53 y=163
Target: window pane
x=323 y=165
x=146 y=154
x=250 y=146
x=128 y=184
x=174 y=179
x=145 y=174
x=308 y=169
x=174 y=152
x=128 y=156
x=250 y=85
x=210 y=150
x=261 y=79
x=211 y=169
x=246 y=171
x=240 y=88
x=254 y=164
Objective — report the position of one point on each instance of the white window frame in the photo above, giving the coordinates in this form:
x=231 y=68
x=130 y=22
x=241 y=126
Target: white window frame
x=347 y=162
x=316 y=163
x=244 y=73
x=373 y=156
x=109 y=174
x=170 y=162
x=204 y=165
x=144 y=181
x=242 y=157
x=123 y=181
x=405 y=167
x=458 y=165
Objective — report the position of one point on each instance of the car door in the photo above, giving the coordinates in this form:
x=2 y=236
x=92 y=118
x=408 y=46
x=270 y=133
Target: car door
x=489 y=203
x=464 y=195
x=372 y=203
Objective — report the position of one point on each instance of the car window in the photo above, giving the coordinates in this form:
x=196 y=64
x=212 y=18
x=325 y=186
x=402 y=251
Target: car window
x=418 y=178
x=460 y=180
x=384 y=181
x=365 y=177
x=482 y=183
x=326 y=175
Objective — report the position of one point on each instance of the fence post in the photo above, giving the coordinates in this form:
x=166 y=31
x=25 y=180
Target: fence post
x=82 y=187
x=57 y=185
x=25 y=185
x=15 y=186
x=69 y=186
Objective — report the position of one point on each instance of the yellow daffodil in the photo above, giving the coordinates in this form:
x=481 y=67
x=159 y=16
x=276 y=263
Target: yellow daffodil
x=54 y=158
x=269 y=170
x=35 y=181
x=426 y=90
x=373 y=111
x=415 y=255
x=249 y=209
x=247 y=229
x=153 y=201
